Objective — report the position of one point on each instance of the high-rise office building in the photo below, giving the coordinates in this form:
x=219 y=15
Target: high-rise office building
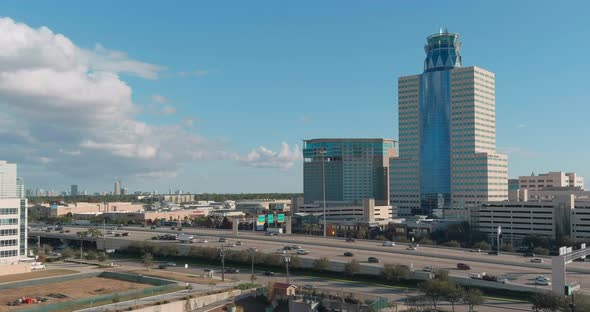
x=447 y=135
x=13 y=215
x=117 y=189
x=74 y=190
x=352 y=169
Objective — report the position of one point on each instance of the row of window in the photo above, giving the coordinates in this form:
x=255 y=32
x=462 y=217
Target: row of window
x=8 y=211
x=11 y=221
x=8 y=242
x=9 y=232
x=8 y=253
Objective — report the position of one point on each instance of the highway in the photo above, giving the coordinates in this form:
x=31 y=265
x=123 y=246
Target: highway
x=517 y=269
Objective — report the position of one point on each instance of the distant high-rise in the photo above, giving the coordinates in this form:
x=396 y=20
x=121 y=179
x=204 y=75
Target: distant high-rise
x=117 y=190
x=13 y=209
x=354 y=169
x=447 y=135
x=74 y=190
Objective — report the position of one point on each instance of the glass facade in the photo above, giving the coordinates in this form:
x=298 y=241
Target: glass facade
x=355 y=169
x=435 y=146
x=442 y=55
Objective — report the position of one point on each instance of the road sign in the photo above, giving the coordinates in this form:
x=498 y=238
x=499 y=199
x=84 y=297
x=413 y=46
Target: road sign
x=110 y=250
x=281 y=218
x=270 y=219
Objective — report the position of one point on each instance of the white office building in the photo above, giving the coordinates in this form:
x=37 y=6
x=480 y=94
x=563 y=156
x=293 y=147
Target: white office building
x=13 y=215
x=550 y=179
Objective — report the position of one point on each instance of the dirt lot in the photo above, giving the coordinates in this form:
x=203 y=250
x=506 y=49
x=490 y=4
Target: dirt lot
x=34 y=274
x=76 y=289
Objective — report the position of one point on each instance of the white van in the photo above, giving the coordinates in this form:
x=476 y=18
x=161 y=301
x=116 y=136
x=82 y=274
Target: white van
x=388 y=244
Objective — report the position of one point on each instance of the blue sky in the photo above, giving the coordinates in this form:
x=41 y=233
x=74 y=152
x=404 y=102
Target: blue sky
x=251 y=74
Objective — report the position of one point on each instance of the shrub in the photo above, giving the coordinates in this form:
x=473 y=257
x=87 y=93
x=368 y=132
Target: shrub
x=452 y=243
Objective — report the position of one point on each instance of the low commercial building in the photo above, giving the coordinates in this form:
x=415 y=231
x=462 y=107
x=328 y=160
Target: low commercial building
x=58 y=210
x=351 y=211
x=550 y=179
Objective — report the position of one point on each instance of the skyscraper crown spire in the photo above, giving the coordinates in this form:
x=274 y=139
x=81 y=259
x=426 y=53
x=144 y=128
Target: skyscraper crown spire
x=442 y=51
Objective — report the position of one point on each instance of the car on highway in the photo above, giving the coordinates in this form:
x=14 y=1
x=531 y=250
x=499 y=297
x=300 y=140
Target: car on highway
x=351 y=240
x=172 y=264
x=162 y=266
x=542 y=277
x=125 y=234
x=208 y=270
x=271 y=234
x=155 y=237
x=238 y=243
x=202 y=241
x=232 y=270
x=477 y=275
x=307 y=287
x=542 y=282
x=493 y=253
x=463 y=266
x=281 y=251
x=110 y=232
x=117 y=234
x=296 y=247
x=412 y=248
x=373 y=260
x=503 y=280
x=153 y=228
x=428 y=269
x=269 y=273
x=388 y=244
x=348 y=254
x=537 y=260
x=475 y=250
x=222 y=240
x=302 y=252
x=231 y=245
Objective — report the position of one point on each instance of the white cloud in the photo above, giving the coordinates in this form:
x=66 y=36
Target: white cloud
x=168 y=110
x=194 y=73
x=265 y=158
x=520 y=126
x=188 y=122
x=59 y=99
x=159 y=98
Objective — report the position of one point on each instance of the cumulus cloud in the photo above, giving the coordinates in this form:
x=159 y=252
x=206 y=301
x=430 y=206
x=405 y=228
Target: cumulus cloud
x=67 y=108
x=159 y=98
x=265 y=158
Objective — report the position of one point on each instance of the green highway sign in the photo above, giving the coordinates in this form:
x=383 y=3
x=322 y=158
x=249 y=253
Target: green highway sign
x=281 y=218
x=270 y=219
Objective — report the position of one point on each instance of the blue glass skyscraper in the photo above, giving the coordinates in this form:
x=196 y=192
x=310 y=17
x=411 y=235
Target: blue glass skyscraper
x=447 y=135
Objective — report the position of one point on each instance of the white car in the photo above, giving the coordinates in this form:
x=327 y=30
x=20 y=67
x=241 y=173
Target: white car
x=281 y=251
x=503 y=280
x=388 y=244
x=412 y=248
x=542 y=282
x=537 y=260
x=202 y=241
x=302 y=252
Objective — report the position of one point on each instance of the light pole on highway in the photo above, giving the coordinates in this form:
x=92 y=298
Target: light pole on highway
x=252 y=254
x=287 y=259
x=499 y=233
x=222 y=255
x=323 y=152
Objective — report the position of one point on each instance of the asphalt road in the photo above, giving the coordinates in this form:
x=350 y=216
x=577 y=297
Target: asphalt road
x=519 y=270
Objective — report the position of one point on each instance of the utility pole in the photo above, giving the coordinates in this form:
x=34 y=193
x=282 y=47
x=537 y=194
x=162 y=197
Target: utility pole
x=286 y=259
x=104 y=235
x=253 y=254
x=222 y=254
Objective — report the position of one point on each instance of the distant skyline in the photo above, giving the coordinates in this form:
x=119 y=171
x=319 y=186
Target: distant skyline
x=218 y=97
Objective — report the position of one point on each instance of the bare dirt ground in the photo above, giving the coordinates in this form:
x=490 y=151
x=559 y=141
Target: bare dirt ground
x=75 y=289
x=34 y=275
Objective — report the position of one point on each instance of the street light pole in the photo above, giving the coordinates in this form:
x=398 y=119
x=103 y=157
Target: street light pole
x=286 y=259
x=324 y=187
x=253 y=254
x=222 y=254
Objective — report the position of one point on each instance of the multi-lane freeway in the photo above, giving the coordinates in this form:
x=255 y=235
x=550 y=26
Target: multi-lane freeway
x=518 y=269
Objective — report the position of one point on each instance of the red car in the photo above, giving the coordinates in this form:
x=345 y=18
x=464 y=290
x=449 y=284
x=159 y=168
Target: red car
x=463 y=266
